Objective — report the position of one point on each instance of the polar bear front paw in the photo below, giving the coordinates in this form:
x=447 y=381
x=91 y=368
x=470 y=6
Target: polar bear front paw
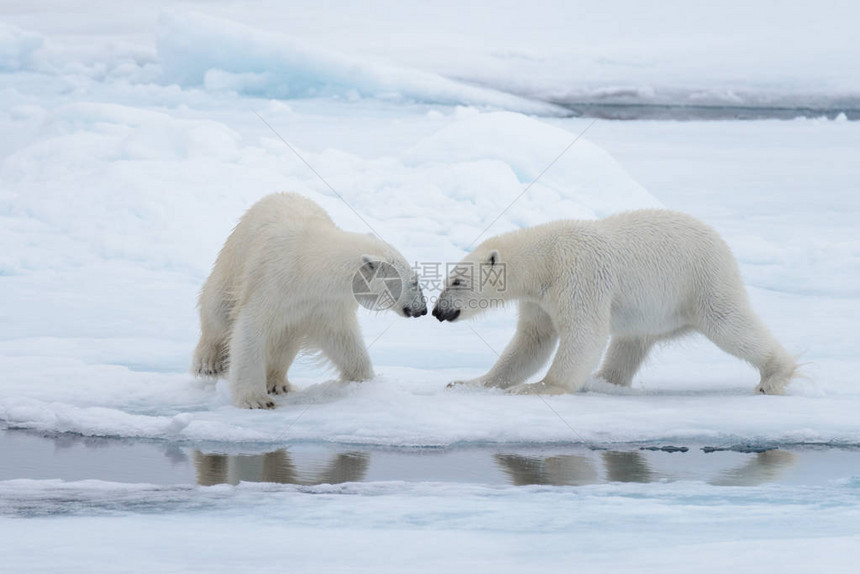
x=540 y=388
x=212 y=365
x=256 y=402
x=280 y=388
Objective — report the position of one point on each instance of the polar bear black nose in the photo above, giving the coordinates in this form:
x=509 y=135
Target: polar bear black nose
x=409 y=312
x=444 y=314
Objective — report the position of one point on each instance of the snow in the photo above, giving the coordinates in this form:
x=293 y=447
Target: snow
x=133 y=141
x=735 y=53
x=195 y=49
x=17 y=47
x=408 y=407
x=397 y=527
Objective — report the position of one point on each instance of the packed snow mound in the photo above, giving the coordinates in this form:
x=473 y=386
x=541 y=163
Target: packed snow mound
x=17 y=48
x=93 y=153
x=578 y=178
x=200 y=50
x=136 y=172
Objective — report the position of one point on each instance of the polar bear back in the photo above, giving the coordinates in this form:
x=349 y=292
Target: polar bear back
x=265 y=241
x=666 y=263
x=279 y=217
x=666 y=247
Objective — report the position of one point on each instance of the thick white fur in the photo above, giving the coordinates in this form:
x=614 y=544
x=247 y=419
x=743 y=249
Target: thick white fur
x=642 y=277
x=283 y=283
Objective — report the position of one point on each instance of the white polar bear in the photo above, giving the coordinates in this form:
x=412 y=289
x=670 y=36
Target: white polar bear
x=642 y=277
x=284 y=282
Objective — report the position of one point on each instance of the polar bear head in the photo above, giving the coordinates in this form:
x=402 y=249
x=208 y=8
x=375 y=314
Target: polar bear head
x=385 y=280
x=475 y=284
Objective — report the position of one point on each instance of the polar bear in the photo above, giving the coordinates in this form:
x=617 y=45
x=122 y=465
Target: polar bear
x=643 y=277
x=285 y=281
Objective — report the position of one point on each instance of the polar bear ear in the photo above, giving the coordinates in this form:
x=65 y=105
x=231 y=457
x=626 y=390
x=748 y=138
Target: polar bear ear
x=493 y=258
x=369 y=260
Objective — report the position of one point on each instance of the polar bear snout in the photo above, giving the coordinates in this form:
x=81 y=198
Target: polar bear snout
x=445 y=312
x=447 y=307
x=414 y=303
x=410 y=312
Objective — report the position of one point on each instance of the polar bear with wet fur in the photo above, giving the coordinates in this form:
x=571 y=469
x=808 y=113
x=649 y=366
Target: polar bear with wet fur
x=641 y=278
x=283 y=282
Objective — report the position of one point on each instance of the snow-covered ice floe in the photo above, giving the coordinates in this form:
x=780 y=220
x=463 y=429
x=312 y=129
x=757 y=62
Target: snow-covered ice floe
x=127 y=163
x=428 y=527
x=409 y=407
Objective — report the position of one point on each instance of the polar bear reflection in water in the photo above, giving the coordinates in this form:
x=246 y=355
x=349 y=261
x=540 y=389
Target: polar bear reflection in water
x=277 y=466
x=575 y=470
x=516 y=469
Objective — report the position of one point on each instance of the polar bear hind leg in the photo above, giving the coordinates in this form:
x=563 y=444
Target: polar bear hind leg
x=627 y=353
x=623 y=359
x=735 y=328
x=211 y=357
x=281 y=354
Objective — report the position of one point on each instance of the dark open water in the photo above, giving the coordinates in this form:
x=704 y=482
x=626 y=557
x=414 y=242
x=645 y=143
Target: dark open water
x=691 y=113
x=25 y=454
